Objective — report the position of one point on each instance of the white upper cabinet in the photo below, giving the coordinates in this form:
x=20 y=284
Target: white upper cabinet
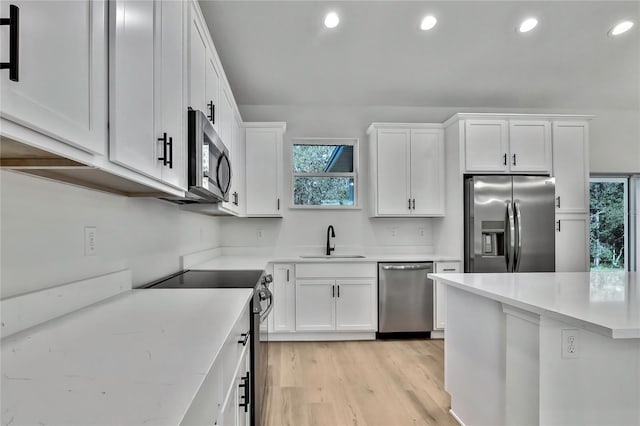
x=507 y=146
x=61 y=87
x=571 y=166
x=407 y=170
x=264 y=169
x=486 y=146
x=147 y=126
x=197 y=63
x=212 y=91
x=225 y=125
x=530 y=146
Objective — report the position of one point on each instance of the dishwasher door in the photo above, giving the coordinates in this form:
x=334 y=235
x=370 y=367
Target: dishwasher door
x=405 y=297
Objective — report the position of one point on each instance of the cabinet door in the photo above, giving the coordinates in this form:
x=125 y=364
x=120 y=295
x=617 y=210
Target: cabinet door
x=133 y=139
x=530 y=146
x=427 y=172
x=212 y=90
x=393 y=172
x=356 y=305
x=572 y=243
x=440 y=310
x=226 y=117
x=197 y=62
x=263 y=171
x=284 y=292
x=315 y=308
x=571 y=166
x=486 y=146
x=238 y=167
x=62 y=70
x=171 y=111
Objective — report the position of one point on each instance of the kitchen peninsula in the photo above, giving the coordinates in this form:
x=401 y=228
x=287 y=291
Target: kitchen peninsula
x=543 y=348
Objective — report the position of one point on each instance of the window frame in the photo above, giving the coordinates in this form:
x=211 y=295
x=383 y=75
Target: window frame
x=355 y=142
x=629 y=226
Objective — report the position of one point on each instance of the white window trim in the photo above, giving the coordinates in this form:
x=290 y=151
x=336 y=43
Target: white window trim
x=356 y=160
x=629 y=246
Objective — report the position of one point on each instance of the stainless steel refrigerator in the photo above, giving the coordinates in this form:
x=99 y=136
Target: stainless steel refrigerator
x=509 y=224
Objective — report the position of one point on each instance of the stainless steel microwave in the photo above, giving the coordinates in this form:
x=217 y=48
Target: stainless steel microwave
x=209 y=169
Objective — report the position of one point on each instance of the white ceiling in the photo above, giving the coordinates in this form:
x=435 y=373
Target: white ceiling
x=279 y=53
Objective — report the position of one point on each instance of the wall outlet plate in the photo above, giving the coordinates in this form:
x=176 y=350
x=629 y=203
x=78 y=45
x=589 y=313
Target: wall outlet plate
x=90 y=240
x=570 y=343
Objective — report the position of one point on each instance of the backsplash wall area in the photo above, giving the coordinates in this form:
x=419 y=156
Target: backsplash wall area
x=42 y=225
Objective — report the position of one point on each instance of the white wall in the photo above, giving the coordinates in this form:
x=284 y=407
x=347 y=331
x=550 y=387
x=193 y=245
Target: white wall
x=615 y=147
x=42 y=227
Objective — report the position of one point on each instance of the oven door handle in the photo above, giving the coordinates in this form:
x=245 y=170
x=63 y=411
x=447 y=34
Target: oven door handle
x=267 y=311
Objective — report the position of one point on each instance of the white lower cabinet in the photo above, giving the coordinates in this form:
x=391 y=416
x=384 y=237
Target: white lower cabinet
x=440 y=294
x=315 y=305
x=284 y=296
x=355 y=305
x=572 y=243
x=236 y=408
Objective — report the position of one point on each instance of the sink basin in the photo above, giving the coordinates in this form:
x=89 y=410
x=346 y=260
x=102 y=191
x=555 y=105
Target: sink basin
x=334 y=256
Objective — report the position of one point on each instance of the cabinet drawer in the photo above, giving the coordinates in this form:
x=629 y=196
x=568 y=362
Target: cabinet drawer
x=333 y=270
x=233 y=347
x=447 y=267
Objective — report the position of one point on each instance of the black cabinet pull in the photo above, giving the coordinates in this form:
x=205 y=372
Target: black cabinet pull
x=409 y=203
x=505 y=159
x=13 y=22
x=414 y=204
x=558 y=228
x=287 y=275
x=278 y=204
x=212 y=112
x=514 y=159
x=245 y=338
x=448 y=270
x=170 y=152
x=163 y=139
x=245 y=397
x=338 y=290
x=558 y=201
x=333 y=291
x=235 y=198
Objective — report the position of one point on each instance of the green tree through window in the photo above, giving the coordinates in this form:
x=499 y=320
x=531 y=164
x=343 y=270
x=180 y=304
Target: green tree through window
x=608 y=215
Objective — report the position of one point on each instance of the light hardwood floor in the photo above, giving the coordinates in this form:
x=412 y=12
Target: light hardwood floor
x=372 y=383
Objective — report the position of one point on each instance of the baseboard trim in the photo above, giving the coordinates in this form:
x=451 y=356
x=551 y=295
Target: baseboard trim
x=319 y=336
x=457 y=419
x=437 y=334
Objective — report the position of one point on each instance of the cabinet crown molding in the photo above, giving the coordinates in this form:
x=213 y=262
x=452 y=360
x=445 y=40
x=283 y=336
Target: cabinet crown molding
x=516 y=116
x=375 y=126
x=268 y=124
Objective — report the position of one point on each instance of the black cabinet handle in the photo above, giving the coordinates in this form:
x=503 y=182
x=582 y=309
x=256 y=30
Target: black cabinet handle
x=13 y=22
x=212 y=112
x=558 y=201
x=278 y=204
x=245 y=397
x=333 y=291
x=235 y=198
x=163 y=139
x=558 y=228
x=414 y=204
x=287 y=275
x=338 y=290
x=409 y=203
x=514 y=159
x=245 y=338
x=170 y=152
x=505 y=159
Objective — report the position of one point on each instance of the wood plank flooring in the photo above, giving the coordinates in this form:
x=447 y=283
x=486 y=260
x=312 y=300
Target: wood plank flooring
x=366 y=383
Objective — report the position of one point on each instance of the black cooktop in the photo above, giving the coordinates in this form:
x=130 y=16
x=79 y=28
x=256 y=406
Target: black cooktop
x=209 y=279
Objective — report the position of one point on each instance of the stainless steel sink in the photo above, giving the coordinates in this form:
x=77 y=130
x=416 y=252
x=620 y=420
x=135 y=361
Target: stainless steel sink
x=334 y=256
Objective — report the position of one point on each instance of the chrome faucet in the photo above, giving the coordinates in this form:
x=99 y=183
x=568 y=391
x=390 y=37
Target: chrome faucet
x=330 y=233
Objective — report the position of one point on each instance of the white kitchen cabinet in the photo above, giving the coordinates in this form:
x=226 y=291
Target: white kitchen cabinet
x=263 y=173
x=486 y=145
x=571 y=166
x=236 y=408
x=336 y=297
x=407 y=170
x=61 y=89
x=226 y=117
x=212 y=92
x=284 y=293
x=198 y=98
x=440 y=294
x=572 y=243
x=530 y=146
x=147 y=115
x=355 y=304
x=507 y=146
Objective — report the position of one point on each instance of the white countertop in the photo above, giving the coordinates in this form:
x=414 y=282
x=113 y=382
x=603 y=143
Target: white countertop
x=135 y=359
x=260 y=262
x=604 y=302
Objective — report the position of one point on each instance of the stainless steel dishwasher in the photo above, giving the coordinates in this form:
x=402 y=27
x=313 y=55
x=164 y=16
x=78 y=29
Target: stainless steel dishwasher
x=405 y=298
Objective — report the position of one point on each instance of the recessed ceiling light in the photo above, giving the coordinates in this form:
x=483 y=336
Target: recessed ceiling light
x=428 y=22
x=527 y=25
x=331 y=20
x=620 y=28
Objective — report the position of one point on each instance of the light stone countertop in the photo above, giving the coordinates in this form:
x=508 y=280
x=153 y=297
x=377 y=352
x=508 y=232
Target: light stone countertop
x=135 y=359
x=232 y=262
x=607 y=303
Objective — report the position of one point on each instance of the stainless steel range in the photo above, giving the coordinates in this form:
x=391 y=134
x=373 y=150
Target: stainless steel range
x=261 y=306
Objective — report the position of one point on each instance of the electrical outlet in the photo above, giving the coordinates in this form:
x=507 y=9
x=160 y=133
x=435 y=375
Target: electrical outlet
x=570 y=344
x=90 y=240
x=259 y=234
x=394 y=232
x=421 y=231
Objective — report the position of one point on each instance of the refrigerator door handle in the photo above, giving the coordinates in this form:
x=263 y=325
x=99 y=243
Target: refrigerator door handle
x=510 y=230
x=518 y=246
